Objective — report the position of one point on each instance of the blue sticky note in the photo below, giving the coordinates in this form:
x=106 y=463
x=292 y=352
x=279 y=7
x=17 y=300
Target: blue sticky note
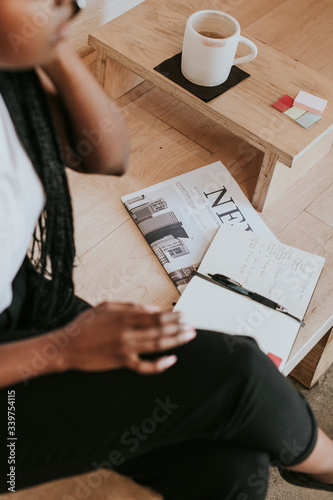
x=308 y=119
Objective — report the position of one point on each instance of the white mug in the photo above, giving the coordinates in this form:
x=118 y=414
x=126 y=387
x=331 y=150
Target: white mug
x=210 y=43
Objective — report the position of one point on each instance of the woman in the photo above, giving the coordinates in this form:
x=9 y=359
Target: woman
x=136 y=390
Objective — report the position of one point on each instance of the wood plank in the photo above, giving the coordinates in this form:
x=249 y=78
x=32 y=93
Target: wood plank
x=118 y=79
x=103 y=484
x=284 y=177
x=185 y=119
x=143 y=127
x=322 y=207
x=327 y=70
x=134 y=93
x=95 y=212
x=265 y=175
x=130 y=272
x=303 y=30
x=90 y=60
x=325 y=360
x=170 y=154
x=243 y=162
x=293 y=200
x=101 y=66
x=245 y=12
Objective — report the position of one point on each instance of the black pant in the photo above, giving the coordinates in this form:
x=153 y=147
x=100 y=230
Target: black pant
x=206 y=429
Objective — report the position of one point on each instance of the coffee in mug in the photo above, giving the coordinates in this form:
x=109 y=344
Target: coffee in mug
x=210 y=43
x=211 y=34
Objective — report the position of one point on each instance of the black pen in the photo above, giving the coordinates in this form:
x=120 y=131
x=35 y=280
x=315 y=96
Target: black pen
x=230 y=284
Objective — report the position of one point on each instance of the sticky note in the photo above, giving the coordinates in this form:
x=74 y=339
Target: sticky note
x=308 y=119
x=286 y=99
x=310 y=102
x=294 y=112
x=284 y=103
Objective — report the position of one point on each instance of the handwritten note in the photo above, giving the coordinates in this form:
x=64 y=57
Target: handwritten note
x=283 y=273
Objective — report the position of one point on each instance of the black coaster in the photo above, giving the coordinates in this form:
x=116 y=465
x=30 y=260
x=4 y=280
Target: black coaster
x=171 y=68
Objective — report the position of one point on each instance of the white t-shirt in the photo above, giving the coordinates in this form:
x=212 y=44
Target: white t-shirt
x=21 y=202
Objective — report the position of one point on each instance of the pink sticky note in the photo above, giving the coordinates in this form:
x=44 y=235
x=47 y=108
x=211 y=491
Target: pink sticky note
x=276 y=360
x=310 y=102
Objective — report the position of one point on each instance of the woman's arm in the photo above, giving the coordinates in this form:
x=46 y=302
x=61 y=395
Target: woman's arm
x=106 y=337
x=23 y=360
x=91 y=125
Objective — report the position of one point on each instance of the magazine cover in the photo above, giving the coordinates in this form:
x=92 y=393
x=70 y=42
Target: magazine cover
x=179 y=217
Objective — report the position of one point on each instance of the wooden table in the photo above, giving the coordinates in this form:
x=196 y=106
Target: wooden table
x=152 y=32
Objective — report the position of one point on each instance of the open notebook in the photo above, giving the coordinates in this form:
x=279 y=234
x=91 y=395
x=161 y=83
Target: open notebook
x=280 y=272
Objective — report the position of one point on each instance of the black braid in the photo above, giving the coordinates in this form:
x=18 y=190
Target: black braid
x=51 y=257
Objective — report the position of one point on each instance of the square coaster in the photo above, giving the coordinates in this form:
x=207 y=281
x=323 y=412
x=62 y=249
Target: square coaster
x=284 y=103
x=294 y=112
x=171 y=68
x=308 y=119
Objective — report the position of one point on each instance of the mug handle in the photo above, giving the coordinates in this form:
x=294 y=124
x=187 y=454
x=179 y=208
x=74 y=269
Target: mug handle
x=249 y=57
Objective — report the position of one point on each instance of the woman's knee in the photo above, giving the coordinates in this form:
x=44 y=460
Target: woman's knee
x=231 y=360
x=252 y=469
x=245 y=357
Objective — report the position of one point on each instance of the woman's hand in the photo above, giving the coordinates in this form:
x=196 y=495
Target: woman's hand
x=114 y=335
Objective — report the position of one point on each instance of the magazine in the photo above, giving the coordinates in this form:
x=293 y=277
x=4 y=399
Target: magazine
x=179 y=217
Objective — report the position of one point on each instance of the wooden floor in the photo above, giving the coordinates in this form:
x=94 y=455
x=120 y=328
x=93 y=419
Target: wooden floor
x=167 y=138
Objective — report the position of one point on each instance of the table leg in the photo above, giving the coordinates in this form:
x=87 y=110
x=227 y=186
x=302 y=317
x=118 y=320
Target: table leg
x=115 y=78
x=316 y=362
x=101 y=66
x=264 y=179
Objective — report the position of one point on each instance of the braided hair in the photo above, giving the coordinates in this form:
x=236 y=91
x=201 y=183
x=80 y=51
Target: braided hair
x=50 y=258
